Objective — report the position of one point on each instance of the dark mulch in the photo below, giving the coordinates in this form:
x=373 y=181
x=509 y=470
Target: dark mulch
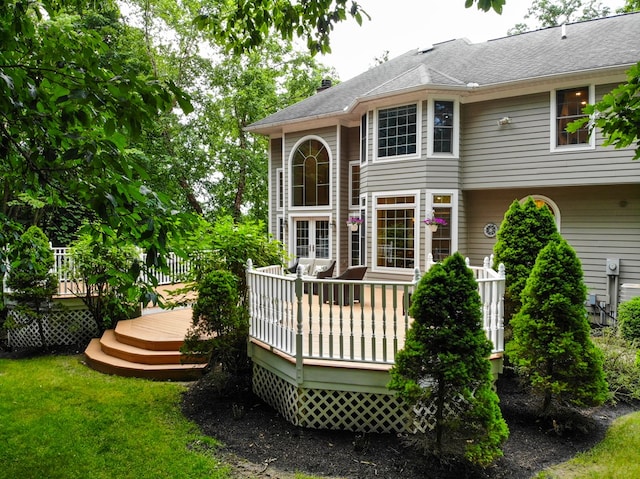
x=260 y=443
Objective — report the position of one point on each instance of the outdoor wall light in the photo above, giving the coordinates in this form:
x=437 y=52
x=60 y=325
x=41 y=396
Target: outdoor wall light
x=505 y=120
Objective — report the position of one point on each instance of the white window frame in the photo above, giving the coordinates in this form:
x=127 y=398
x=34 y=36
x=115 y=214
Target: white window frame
x=374 y=228
x=430 y=205
x=351 y=203
x=280 y=189
x=553 y=145
x=364 y=138
x=455 y=153
x=318 y=208
x=411 y=156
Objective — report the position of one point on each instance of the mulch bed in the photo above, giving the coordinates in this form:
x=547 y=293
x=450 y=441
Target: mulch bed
x=260 y=443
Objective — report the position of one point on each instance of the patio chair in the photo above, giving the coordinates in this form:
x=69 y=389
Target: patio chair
x=353 y=273
x=294 y=268
x=325 y=273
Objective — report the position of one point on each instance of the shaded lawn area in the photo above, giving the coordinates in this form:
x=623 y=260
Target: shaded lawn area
x=60 y=419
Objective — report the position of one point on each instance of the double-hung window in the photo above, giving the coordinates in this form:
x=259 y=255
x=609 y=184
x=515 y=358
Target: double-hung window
x=566 y=107
x=443 y=127
x=397 y=131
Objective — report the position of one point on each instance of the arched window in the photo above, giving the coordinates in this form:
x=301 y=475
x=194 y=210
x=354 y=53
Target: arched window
x=310 y=171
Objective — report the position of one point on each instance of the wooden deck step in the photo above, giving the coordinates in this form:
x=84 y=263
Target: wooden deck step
x=147 y=347
x=111 y=346
x=100 y=361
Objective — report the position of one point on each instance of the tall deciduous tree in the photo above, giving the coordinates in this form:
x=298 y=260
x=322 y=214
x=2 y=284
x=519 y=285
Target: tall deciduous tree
x=551 y=344
x=551 y=13
x=445 y=362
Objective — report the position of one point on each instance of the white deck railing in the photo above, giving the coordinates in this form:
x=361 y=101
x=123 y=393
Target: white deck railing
x=63 y=268
x=287 y=315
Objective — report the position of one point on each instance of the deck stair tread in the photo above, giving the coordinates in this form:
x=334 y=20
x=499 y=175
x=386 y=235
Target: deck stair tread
x=151 y=348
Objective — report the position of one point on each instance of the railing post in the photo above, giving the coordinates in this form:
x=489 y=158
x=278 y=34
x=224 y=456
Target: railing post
x=501 y=290
x=252 y=325
x=299 y=348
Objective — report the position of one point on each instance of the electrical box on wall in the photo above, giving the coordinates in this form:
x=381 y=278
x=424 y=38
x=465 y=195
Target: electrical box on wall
x=613 y=266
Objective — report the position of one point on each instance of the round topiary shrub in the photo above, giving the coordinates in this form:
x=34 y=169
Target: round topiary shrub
x=629 y=319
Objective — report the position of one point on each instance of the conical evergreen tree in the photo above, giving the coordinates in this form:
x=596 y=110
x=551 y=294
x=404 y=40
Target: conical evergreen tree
x=445 y=363
x=551 y=345
x=525 y=230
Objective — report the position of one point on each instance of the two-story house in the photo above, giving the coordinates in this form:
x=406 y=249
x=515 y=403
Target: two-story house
x=460 y=131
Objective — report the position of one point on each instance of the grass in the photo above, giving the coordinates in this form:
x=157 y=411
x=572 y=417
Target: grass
x=60 y=419
x=614 y=458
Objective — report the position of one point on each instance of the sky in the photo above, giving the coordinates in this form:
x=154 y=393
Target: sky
x=402 y=25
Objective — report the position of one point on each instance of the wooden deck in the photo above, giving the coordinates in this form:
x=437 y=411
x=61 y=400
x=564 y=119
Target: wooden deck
x=147 y=347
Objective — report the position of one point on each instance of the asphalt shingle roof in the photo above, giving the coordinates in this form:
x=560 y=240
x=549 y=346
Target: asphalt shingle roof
x=591 y=45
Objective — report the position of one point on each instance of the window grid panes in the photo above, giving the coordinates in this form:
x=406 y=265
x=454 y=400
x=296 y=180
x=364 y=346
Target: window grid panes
x=322 y=239
x=569 y=105
x=397 y=131
x=395 y=229
x=441 y=239
x=443 y=127
x=363 y=139
x=311 y=174
x=355 y=185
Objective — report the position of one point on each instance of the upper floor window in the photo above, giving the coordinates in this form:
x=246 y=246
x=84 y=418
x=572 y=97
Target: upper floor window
x=280 y=188
x=443 y=126
x=567 y=107
x=397 y=131
x=310 y=174
x=354 y=184
x=363 y=138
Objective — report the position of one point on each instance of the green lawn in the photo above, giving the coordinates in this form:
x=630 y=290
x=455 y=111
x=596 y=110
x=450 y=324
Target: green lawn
x=60 y=419
x=614 y=458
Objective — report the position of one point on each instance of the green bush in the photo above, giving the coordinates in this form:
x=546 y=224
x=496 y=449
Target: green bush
x=620 y=366
x=445 y=363
x=551 y=346
x=525 y=230
x=629 y=319
x=219 y=326
x=101 y=267
x=30 y=278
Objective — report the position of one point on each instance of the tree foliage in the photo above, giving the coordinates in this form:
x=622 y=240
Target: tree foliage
x=445 y=362
x=617 y=115
x=69 y=111
x=101 y=268
x=525 y=230
x=551 y=13
x=551 y=345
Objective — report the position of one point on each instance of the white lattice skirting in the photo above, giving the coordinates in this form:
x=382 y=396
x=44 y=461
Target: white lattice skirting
x=331 y=409
x=62 y=327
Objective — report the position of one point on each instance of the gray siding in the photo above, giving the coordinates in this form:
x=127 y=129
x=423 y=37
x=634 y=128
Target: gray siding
x=518 y=154
x=599 y=222
x=275 y=162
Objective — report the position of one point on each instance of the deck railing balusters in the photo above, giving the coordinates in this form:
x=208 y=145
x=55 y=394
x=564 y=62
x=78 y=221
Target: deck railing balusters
x=373 y=324
x=280 y=312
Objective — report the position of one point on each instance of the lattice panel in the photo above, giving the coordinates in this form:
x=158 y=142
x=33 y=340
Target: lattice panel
x=61 y=328
x=352 y=411
x=327 y=409
x=425 y=414
x=277 y=393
